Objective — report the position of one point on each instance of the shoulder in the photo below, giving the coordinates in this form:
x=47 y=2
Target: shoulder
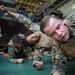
x=70 y=19
x=55 y=43
x=22 y=36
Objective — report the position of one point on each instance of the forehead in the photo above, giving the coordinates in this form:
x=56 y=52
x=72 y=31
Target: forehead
x=34 y=35
x=18 y=43
x=52 y=24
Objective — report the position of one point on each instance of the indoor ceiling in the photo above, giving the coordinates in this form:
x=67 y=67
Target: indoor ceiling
x=38 y=6
x=33 y=6
x=29 y=5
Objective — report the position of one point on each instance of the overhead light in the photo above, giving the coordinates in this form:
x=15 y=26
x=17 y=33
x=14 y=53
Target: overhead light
x=34 y=9
x=40 y=2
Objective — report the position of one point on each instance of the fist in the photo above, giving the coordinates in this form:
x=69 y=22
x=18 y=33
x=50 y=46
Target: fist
x=39 y=65
x=19 y=60
x=30 y=57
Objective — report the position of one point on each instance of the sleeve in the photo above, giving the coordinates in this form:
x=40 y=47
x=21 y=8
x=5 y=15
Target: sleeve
x=11 y=54
x=37 y=55
x=70 y=19
x=28 y=50
x=22 y=36
x=27 y=22
x=59 y=61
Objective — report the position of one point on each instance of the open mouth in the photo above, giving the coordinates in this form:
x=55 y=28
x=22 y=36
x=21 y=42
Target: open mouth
x=64 y=37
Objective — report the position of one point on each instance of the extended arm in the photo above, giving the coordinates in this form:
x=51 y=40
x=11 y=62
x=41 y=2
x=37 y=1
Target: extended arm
x=37 y=61
x=59 y=62
x=21 y=19
x=11 y=54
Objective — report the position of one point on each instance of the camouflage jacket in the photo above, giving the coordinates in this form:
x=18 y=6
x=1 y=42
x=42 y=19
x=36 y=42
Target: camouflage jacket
x=44 y=42
x=27 y=22
x=70 y=19
x=62 y=52
x=16 y=53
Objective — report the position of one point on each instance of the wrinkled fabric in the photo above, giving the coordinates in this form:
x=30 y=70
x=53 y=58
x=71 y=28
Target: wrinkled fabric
x=16 y=53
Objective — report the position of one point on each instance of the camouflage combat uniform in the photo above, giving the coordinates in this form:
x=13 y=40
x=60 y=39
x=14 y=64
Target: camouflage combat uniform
x=62 y=52
x=27 y=22
x=44 y=42
x=70 y=19
x=60 y=55
x=16 y=53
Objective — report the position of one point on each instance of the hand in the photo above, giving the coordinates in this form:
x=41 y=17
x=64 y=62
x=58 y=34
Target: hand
x=19 y=60
x=30 y=58
x=55 y=73
x=45 y=52
x=39 y=65
x=3 y=8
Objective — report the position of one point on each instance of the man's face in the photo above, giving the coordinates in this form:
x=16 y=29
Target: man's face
x=57 y=30
x=18 y=44
x=33 y=38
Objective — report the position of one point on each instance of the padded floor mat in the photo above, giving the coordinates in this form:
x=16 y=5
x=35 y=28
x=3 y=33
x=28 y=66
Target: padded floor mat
x=26 y=68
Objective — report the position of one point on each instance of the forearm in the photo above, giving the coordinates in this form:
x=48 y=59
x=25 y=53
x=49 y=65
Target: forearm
x=5 y=9
x=11 y=13
x=11 y=54
x=22 y=19
x=27 y=22
x=37 y=56
x=12 y=60
x=28 y=50
x=59 y=60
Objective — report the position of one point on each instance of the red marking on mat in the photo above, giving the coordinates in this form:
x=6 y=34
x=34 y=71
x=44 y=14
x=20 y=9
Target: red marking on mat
x=32 y=53
x=5 y=54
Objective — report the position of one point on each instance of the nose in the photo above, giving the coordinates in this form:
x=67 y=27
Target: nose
x=59 y=33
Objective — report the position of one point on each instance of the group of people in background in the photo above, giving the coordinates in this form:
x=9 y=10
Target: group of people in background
x=53 y=33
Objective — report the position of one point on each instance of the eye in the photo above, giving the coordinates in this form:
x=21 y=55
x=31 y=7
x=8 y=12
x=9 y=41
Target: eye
x=52 y=34
x=58 y=27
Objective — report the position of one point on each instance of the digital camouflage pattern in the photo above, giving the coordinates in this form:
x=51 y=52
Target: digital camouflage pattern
x=15 y=53
x=27 y=22
x=44 y=42
x=59 y=55
x=62 y=52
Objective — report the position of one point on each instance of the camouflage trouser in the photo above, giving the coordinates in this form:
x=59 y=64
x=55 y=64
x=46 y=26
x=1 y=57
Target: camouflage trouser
x=60 y=59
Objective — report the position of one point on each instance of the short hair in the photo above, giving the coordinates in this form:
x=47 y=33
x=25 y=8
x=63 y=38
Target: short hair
x=16 y=38
x=44 y=22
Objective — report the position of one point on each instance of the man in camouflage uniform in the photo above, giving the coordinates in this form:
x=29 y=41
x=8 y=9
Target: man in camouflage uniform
x=17 y=49
x=39 y=46
x=44 y=42
x=63 y=43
